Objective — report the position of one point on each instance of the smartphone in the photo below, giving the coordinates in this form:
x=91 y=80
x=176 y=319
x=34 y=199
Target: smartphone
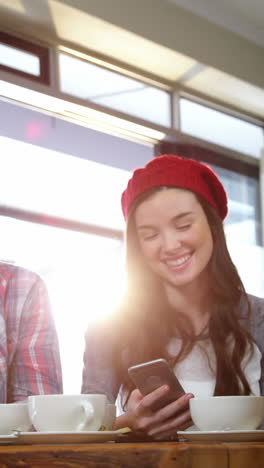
x=150 y=375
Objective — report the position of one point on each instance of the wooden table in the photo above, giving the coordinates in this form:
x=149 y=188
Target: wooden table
x=135 y=455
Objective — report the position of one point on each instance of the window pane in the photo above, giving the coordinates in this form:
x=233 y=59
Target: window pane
x=243 y=221
x=220 y=128
x=20 y=60
x=93 y=83
x=249 y=261
x=60 y=185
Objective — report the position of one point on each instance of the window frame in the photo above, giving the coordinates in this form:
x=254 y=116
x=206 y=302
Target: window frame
x=209 y=156
x=40 y=51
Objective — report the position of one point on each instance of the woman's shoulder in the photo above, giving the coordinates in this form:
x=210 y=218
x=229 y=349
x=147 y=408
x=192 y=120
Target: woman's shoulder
x=254 y=320
x=255 y=300
x=256 y=306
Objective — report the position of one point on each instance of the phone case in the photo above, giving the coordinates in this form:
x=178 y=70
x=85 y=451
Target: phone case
x=150 y=375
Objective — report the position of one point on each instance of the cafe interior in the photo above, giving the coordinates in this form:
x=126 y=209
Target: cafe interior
x=95 y=90
x=92 y=89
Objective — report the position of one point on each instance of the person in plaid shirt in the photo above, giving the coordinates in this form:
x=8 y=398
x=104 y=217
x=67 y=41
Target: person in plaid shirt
x=29 y=350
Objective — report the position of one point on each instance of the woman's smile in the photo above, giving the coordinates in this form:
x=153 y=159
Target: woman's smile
x=178 y=263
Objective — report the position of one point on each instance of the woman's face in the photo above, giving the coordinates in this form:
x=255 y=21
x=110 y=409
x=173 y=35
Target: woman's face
x=174 y=236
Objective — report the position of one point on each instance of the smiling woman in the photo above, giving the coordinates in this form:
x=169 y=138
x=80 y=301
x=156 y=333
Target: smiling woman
x=185 y=301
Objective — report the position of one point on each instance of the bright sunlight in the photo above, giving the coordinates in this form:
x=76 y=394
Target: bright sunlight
x=84 y=273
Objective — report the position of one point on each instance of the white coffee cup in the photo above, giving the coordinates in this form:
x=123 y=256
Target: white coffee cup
x=14 y=417
x=59 y=413
x=109 y=417
x=227 y=413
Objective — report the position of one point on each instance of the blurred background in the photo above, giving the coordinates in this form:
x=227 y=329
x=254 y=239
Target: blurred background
x=92 y=89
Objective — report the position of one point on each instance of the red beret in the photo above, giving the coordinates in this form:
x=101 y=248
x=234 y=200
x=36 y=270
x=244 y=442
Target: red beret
x=174 y=171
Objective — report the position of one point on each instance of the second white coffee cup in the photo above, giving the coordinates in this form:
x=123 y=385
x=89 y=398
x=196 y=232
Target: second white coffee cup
x=14 y=417
x=59 y=413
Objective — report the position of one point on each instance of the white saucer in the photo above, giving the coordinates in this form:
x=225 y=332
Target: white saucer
x=222 y=436
x=65 y=437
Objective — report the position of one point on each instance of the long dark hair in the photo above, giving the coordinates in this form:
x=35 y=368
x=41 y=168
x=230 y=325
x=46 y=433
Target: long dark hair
x=149 y=322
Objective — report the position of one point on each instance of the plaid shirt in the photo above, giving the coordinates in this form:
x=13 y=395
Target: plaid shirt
x=29 y=351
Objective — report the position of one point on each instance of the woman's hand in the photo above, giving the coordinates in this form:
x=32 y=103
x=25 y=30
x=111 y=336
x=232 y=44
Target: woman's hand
x=159 y=424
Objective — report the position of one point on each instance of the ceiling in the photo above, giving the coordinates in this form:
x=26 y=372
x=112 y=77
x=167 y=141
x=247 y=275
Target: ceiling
x=211 y=48
x=243 y=17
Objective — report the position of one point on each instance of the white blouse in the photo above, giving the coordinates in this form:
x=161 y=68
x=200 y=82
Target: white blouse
x=197 y=372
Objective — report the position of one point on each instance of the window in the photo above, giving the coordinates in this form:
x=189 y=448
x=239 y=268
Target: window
x=60 y=185
x=243 y=221
x=220 y=128
x=76 y=266
x=23 y=61
x=24 y=58
x=81 y=182
x=93 y=83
